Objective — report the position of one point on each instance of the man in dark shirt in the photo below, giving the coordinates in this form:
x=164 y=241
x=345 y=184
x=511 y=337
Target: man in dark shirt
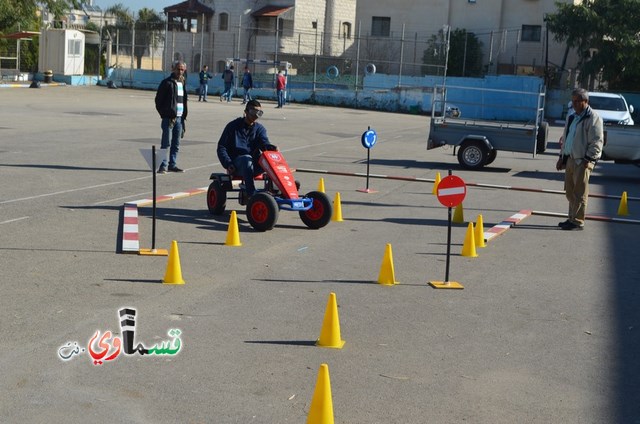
x=171 y=104
x=240 y=145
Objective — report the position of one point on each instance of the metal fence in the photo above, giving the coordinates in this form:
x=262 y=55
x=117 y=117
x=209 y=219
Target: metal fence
x=340 y=60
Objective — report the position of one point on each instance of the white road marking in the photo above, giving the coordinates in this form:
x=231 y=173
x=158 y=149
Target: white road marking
x=14 y=220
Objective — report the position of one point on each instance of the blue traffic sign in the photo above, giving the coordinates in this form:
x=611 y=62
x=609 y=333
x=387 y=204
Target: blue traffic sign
x=369 y=139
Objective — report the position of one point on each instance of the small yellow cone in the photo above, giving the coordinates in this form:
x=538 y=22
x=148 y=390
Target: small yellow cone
x=321 y=185
x=321 y=409
x=330 y=332
x=623 y=209
x=337 y=209
x=435 y=184
x=233 y=235
x=387 y=275
x=173 y=275
x=469 y=246
x=479 y=233
x=458 y=214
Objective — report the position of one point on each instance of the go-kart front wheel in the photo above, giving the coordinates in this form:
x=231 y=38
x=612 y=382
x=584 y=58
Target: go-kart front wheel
x=262 y=211
x=320 y=213
x=216 y=198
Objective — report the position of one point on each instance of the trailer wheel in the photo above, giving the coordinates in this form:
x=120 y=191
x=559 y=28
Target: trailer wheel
x=262 y=211
x=320 y=213
x=542 y=137
x=216 y=198
x=473 y=154
x=491 y=156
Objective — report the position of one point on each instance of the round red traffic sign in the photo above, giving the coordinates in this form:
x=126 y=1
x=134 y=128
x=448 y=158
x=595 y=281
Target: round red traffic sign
x=451 y=191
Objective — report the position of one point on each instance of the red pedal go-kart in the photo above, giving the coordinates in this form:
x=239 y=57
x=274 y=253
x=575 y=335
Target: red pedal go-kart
x=280 y=192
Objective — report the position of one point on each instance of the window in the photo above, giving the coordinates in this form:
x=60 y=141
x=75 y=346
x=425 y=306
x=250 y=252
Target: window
x=346 y=29
x=531 y=32
x=380 y=26
x=74 y=48
x=223 y=22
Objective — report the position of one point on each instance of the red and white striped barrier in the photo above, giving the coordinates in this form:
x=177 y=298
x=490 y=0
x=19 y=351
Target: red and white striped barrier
x=503 y=226
x=430 y=180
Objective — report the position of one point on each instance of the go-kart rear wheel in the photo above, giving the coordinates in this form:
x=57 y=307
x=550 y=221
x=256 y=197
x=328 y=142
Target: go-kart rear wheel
x=216 y=198
x=262 y=211
x=320 y=213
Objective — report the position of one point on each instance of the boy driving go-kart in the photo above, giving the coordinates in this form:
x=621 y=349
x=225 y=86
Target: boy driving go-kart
x=244 y=151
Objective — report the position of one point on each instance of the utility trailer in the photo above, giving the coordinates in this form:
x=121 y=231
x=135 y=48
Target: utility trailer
x=478 y=140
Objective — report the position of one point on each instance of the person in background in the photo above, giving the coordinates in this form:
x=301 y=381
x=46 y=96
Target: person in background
x=247 y=84
x=205 y=76
x=281 y=86
x=228 y=77
x=583 y=139
x=240 y=145
x=171 y=104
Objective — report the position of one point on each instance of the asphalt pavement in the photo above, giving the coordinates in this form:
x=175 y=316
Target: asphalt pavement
x=546 y=329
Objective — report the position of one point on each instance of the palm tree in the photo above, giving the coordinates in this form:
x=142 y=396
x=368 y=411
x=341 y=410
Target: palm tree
x=149 y=28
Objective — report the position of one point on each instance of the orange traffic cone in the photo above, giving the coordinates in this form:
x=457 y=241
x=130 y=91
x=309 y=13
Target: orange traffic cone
x=330 y=332
x=233 y=235
x=469 y=246
x=173 y=274
x=321 y=409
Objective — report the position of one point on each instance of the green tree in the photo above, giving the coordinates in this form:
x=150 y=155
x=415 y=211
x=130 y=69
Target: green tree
x=22 y=12
x=148 y=30
x=605 y=34
x=465 y=54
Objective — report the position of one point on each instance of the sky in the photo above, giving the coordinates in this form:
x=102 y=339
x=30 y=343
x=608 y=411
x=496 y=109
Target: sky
x=136 y=5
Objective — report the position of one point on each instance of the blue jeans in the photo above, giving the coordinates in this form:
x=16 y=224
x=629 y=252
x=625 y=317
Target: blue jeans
x=228 y=91
x=280 y=98
x=246 y=168
x=247 y=94
x=204 y=88
x=170 y=138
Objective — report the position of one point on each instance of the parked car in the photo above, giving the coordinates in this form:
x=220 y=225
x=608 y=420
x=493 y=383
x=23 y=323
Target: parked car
x=613 y=108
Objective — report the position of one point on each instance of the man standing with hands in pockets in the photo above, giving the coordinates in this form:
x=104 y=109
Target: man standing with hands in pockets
x=582 y=147
x=171 y=104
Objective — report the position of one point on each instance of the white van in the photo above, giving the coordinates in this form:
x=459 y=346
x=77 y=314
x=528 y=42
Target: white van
x=612 y=108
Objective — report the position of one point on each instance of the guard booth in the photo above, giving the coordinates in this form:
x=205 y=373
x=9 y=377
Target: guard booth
x=61 y=51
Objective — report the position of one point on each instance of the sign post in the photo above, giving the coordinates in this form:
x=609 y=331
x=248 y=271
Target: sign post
x=153 y=251
x=451 y=192
x=368 y=140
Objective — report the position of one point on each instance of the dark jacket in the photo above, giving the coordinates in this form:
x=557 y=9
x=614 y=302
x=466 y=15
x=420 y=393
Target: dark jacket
x=247 y=80
x=239 y=138
x=167 y=99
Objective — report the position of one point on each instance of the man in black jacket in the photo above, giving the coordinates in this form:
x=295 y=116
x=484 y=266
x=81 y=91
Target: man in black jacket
x=171 y=104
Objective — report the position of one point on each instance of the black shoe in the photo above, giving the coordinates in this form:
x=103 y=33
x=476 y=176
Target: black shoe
x=162 y=170
x=563 y=223
x=205 y=100
x=175 y=169
x=572 y=227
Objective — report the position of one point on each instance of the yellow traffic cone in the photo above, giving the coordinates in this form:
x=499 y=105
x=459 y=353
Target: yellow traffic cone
x=435 y=184
x=173 y=275
x=330 y=332
x=458 y=214
x=233 y=235
x=387 y=275
x=469 y=246
x=337 y=209
x=321 y=409
x=479 y=233
x=623 y=209
x=321 y=185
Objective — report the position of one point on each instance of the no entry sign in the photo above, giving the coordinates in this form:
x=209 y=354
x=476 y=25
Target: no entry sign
x=451 y=191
